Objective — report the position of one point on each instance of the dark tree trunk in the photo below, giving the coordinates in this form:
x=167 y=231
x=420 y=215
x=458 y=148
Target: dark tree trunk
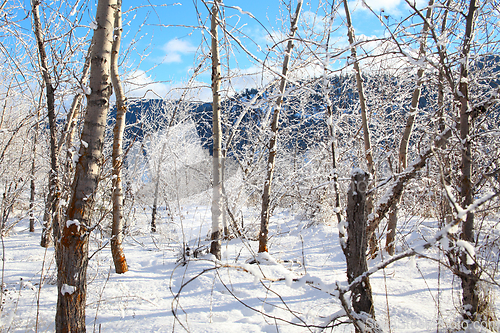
x=32 y=181
x=356 y=245
x=470 y=276
x=52 y=213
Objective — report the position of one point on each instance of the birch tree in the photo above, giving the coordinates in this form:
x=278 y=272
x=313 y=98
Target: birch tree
x=33 y=169
x=73 y=236
x=117 y=155
x=58 y=74
x=217 y=160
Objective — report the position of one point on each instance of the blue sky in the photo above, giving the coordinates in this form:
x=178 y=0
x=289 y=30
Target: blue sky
x=174 y=40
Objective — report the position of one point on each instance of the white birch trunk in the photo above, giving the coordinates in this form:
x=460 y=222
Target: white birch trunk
x=217 y=202
x=72 y=246
x=117 y=155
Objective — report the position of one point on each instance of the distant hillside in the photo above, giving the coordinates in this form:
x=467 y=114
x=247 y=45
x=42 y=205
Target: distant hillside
x=303 y=115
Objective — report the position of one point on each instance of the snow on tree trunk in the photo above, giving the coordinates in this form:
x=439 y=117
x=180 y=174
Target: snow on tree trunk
x=217 y=202
x=329 y=123
x=266 y=195
x=117 y=155
x=72 y=245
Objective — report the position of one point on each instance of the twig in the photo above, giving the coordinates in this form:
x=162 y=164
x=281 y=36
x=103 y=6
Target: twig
x=100 y=298
x=39 y=288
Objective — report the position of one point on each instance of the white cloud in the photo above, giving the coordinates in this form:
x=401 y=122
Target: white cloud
x=175 y=49
x=139 y=84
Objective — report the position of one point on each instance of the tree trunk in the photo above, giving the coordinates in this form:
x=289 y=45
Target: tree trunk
x=470 y=276
x=72 y=245
x=32 y=191
x=266 y=195
x=361 y=93
x=157 y=184
x=51 y=215
x=69 y=132
x=217 y=202
x=154 y=210
x=403 y=147
x=33 y=172
x=446 y=213
x=329 y=122
x=364 y=118
x=356 y=245
x=117 y=155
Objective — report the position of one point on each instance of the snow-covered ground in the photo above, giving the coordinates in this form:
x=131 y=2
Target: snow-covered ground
x=160 y=295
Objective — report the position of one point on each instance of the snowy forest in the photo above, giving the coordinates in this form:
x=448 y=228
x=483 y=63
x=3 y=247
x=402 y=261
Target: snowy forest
x=340 y=183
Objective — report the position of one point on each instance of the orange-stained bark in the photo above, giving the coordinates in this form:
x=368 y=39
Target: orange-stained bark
x=72 y=237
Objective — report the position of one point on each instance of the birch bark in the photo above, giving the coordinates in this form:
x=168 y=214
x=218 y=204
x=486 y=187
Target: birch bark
x=117 y=155
x=72 y=242
x=217 y=202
